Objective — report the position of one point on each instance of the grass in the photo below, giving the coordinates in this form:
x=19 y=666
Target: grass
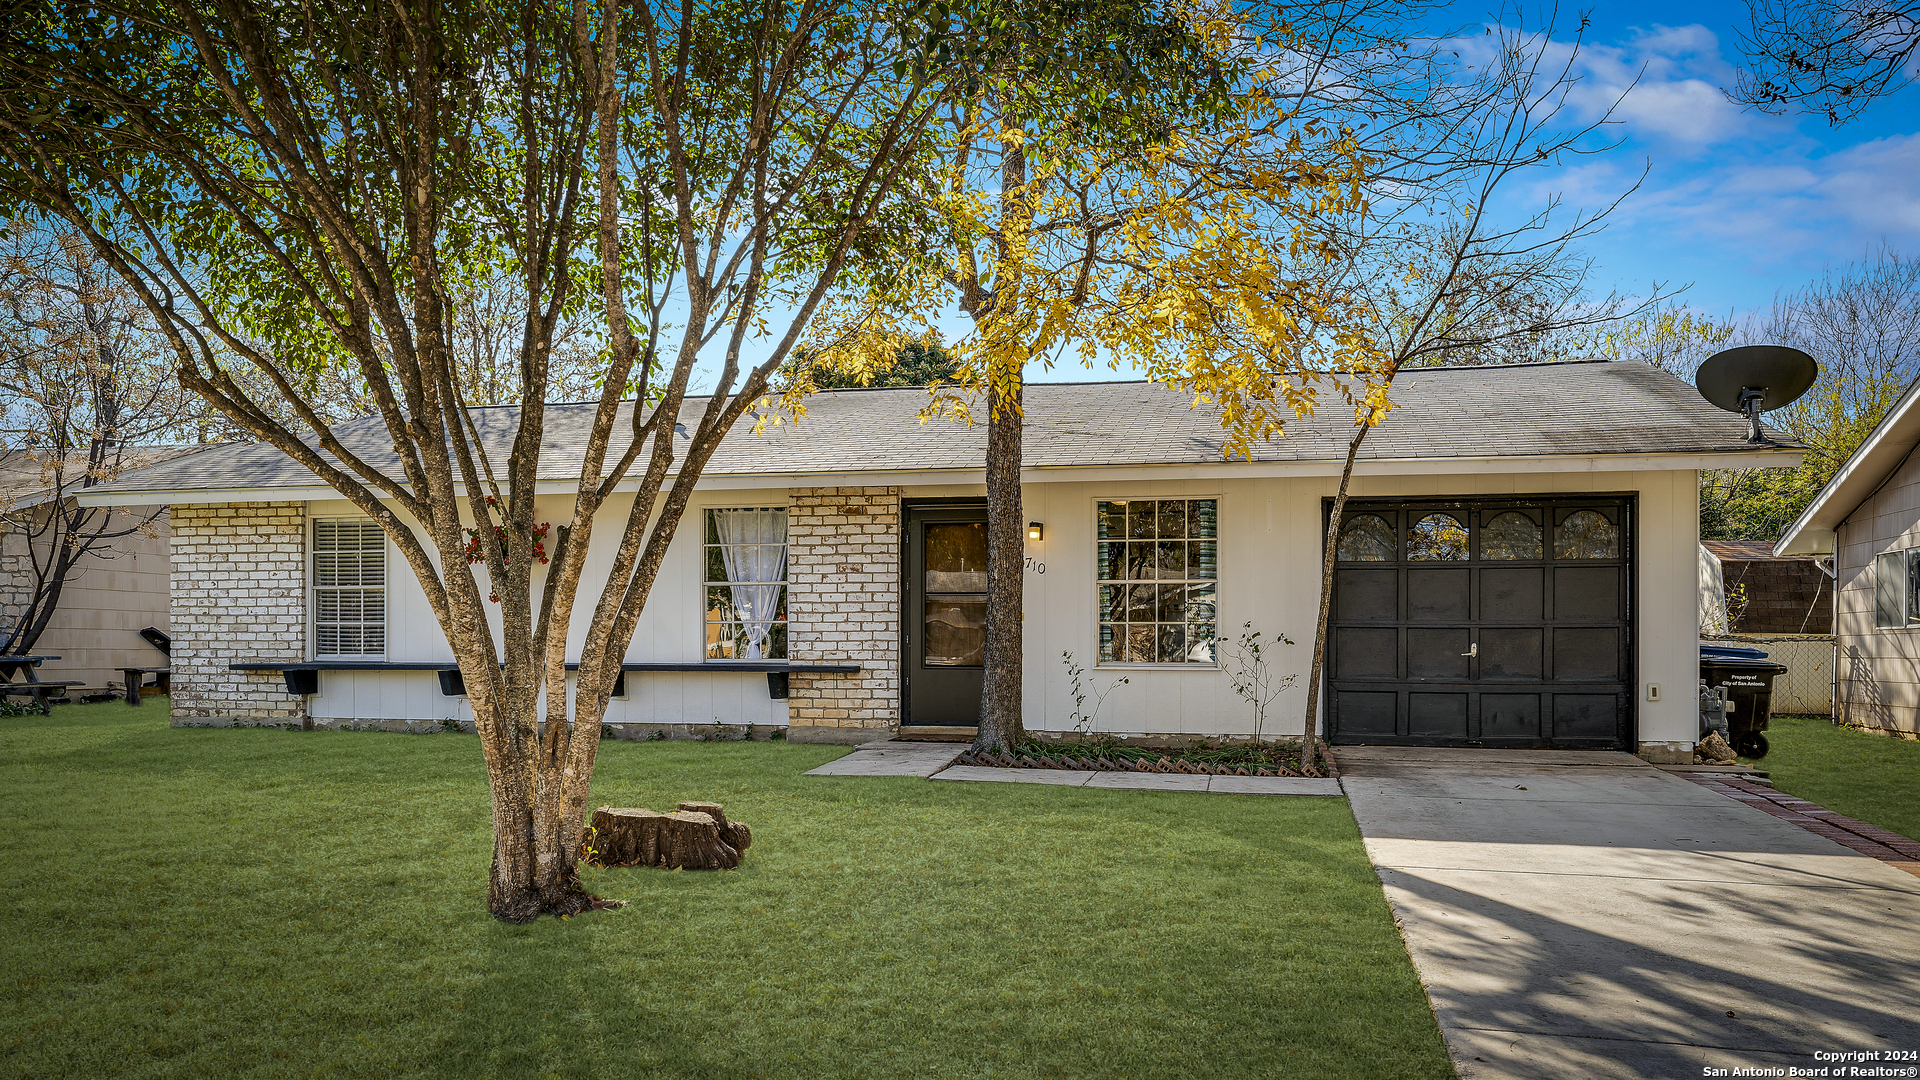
x=191 y=902
x=1870 y=777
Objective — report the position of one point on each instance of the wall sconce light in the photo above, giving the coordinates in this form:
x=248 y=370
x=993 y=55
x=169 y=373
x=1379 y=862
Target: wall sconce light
x=1033 y=530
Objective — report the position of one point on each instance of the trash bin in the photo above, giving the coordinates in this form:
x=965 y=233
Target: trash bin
x=1746 y=676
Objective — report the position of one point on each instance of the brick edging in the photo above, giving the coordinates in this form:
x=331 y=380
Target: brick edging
x=1888 y=847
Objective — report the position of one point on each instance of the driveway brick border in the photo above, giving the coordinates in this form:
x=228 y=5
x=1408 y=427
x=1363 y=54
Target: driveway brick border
x=1888 y=847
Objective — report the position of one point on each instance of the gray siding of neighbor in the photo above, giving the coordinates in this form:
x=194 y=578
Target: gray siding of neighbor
x=1879 y=677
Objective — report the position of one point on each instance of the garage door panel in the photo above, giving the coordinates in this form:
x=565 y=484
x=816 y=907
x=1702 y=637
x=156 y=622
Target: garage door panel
x=1364 y=595
x=1365 y=652
x=1437 y=653
x=1586 y=592
x=1512 y=652
x=1586 y=654
x=1510 y=716
x=1438 y=595
x=1585 y=716
x=1367 y=712
x=1516 y=593
x=1437 y=716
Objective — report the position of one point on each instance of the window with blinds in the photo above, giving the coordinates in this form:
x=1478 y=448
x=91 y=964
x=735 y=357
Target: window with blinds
x=349 y=588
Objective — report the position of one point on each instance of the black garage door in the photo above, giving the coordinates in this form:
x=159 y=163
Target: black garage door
x=1484 y=623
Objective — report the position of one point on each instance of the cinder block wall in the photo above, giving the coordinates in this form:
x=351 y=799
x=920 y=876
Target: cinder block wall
x=843 y=606
x=239 y=574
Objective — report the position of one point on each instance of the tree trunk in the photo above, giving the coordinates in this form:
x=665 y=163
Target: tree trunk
x=1000 y=719
x=1327 y=556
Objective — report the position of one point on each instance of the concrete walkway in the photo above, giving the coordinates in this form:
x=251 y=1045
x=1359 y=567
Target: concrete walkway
x=889 y=758
x=1612 y=920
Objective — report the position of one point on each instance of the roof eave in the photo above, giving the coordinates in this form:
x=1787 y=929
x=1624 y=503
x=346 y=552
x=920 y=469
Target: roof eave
x=1770 y=457
x=1889 y=444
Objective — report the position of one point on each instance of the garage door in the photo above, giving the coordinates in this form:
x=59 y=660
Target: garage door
x=1483 y=623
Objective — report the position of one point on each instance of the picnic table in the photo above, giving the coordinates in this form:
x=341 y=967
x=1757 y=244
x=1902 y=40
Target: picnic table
x=21 y=675
x=135 y=676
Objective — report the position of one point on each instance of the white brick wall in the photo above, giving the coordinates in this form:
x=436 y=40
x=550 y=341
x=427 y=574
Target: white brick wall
x=843 y=606
x=239 y=593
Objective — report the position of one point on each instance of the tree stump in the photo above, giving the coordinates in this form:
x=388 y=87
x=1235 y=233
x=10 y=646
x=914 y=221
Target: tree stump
x=735 y=833
x=683 y=840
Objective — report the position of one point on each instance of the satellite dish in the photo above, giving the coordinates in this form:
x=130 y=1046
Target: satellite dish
x=1753 y=379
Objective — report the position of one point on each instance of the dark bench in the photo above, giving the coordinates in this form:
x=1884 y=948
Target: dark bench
x=38 y=691
x=135 y=676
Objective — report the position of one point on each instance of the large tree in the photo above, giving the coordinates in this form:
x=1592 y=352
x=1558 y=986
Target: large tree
x=294 y=188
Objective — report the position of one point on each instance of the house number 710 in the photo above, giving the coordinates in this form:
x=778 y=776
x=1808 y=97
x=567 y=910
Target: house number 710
x=1036 y=565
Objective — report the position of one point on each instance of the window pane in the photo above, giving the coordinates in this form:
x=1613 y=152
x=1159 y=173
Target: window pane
x=1110 y=645
x=1173 y=518
x=1586 y=534
x=957 y=557
x=1113 y=603
x=1142 y=561
x=1202 y=560
x=1173 y=644
x=1140 y=519
x=1438 y=537
x=1366 y=538
x=1142 y=602
x=1113 y=561
x=956 y=632
x=1199 y=607
x=1111 y=520
x=1142 y=645
x=1171 y=605
x=1889 y=588
x=1200 y=519
x=1171 y=555
x=1510 y=535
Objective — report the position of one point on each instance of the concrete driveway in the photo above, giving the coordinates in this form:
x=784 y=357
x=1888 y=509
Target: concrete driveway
x=1606 y=919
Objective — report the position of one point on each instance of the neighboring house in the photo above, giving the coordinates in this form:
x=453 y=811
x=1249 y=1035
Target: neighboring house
x=1517 y=568
x=1779 y=594
x=113 y=594
x=1866 y=522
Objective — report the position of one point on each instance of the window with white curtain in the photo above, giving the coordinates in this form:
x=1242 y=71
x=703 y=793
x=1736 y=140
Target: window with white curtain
x=746 y=584
x=349 y=588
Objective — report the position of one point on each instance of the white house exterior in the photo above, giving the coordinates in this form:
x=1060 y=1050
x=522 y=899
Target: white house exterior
x=1520 y=567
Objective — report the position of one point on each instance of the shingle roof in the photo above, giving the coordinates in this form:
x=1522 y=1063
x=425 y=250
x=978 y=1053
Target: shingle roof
x=27 y=478
x=1747 y=551
x=1510 y=411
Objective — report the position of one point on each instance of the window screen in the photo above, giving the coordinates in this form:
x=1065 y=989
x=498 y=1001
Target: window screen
x=1890 y=589
x=349 y=588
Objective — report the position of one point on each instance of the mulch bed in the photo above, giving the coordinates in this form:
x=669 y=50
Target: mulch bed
x=1889 y=847
x=1239 y=761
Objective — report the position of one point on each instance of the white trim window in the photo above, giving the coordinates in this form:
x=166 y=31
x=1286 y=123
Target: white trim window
x=349 y=589
x=746 y=584
x=1896 y=589
x=1158 y=569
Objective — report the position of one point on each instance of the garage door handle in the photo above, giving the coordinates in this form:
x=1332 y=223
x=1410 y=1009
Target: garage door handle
x=1472 y=650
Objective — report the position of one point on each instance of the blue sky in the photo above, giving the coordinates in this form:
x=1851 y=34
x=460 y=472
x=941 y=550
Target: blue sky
x=1739 y=204
x=1736 y=206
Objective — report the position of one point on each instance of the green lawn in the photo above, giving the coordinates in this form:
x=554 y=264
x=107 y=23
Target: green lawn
x=190 y=902
x=1870 y=777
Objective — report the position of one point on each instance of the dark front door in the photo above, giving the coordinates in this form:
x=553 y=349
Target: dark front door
x=1483 y=623
x=945 y=621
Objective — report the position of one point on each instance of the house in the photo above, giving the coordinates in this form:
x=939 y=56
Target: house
x=114 y=592
x=1866 y=523
x=1517 y=567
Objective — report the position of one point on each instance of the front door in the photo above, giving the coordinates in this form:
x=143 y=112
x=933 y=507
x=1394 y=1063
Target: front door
x=945 y=621
x=1483 y=623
